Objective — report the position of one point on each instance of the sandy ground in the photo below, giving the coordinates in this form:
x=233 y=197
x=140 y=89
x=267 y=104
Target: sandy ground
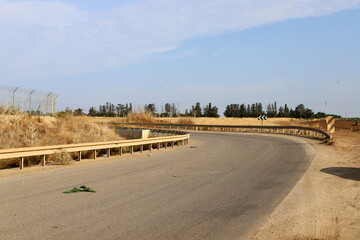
x=325 y=204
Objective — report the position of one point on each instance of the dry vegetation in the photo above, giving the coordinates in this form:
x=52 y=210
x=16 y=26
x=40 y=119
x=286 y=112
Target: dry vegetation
x=144 y=117
x=29 y=131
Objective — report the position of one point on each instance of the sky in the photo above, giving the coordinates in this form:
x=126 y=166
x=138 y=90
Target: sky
x=181 y=51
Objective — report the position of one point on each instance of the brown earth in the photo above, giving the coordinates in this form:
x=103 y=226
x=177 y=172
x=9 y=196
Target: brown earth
x=325 y=204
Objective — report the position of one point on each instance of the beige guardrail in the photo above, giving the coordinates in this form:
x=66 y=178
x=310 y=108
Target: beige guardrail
x=288 y=130
x=159 y=142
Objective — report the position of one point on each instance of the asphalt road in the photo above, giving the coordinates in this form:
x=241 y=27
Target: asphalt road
x=220 y=186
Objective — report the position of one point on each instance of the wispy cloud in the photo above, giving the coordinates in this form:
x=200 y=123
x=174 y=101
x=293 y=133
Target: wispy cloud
x=43 y=38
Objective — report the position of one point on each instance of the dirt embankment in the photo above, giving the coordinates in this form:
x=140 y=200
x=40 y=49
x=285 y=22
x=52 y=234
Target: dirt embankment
x=315 y=123
x=325 y=204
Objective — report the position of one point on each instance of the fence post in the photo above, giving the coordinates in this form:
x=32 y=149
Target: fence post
x=43 y=160
x=108 y=152
x=21 y=164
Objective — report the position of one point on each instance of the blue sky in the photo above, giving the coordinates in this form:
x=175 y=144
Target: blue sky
x=181 y=51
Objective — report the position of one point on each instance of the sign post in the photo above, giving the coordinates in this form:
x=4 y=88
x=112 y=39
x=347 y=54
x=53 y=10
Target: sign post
x=262 y=118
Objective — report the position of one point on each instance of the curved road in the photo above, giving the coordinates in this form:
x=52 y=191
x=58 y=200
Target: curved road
x=220 y=186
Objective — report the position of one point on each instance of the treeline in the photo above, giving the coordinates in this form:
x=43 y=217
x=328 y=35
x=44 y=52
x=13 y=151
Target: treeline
x=272 y=110
x=209 y=110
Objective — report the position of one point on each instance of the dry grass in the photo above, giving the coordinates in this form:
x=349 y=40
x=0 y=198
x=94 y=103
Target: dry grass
x=60 y=158
x=185 y=120
x=29 y=131
x=148 y=118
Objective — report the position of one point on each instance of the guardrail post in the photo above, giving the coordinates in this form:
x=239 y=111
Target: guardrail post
x=165 y=145
x=141 y=148
x=150 y=147
x=158 y=146
x=94 y=154
x=21 y=164
x=108 y=152
x=120 y=151
x=79 y=156
x=172 y=144
x=43 y=160
x=131 y=149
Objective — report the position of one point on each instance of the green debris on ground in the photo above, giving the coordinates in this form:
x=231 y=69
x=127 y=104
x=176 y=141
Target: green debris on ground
x=80 y=189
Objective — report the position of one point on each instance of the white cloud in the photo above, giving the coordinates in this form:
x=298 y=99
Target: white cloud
x=43 y=38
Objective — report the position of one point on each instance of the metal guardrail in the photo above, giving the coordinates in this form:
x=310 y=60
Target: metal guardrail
x=289 y=130
x=179 y=138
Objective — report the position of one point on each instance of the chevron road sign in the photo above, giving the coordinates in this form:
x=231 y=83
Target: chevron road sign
x=262 y=117
x=330 y=122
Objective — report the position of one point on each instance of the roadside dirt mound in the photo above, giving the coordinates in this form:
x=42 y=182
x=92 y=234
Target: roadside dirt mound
x=28 y=131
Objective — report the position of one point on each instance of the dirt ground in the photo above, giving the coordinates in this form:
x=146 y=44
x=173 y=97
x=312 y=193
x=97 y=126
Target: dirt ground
x=325 y=204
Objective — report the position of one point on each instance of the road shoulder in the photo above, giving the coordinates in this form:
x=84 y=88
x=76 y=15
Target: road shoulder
x=325 y=203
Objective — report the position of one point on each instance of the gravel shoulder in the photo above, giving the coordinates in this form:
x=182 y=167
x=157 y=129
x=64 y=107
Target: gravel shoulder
x=325 y=204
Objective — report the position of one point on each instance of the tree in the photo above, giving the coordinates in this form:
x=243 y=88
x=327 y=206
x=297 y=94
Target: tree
x=308 y=114
x=196 y=110
x=248 y=111
x=210 y=111
x=299 y=111
x=232 y=110
x=78 y=112
x=259 y=110
x=174 y=111
x=281 y=112
x=286 y=111
x=150 y=108
x=121 y=110
x=167 y=109
x=242 y=110
x=93 y=112
x=269 y=111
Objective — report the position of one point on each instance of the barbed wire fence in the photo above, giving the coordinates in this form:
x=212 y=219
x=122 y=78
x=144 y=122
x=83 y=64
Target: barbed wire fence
x=32 y=101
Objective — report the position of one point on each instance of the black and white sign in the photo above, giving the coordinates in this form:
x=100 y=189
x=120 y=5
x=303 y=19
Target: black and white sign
x=262 y=117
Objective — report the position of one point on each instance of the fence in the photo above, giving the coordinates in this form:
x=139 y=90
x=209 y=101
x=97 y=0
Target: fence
x=31 y=101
